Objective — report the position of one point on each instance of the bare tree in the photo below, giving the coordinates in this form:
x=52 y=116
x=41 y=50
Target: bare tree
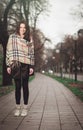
x=3 y=40
x=11 y=12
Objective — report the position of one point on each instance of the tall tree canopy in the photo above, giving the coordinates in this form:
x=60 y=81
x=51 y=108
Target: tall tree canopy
x=11 y=12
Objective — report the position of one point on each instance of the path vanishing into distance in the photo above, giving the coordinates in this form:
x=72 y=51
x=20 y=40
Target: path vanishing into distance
x=52 y=106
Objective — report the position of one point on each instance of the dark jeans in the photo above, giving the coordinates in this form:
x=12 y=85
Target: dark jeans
x=22 y=81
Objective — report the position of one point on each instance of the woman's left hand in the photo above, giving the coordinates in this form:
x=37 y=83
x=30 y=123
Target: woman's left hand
x=31 y=71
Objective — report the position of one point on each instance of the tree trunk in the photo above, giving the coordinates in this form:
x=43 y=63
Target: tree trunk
x=3 y=40
x=7 y=80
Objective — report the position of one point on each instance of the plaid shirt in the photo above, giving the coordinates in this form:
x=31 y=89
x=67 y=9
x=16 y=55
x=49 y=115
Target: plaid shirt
x=19 y=49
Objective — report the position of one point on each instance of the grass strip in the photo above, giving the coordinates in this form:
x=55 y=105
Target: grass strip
x=7 y=89
x=71 y=84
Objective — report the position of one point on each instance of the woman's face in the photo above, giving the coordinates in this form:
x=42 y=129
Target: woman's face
x=22 y=29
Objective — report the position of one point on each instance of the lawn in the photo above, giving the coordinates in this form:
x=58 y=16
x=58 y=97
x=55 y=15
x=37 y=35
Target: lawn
x=7 y=89
x=75 y=87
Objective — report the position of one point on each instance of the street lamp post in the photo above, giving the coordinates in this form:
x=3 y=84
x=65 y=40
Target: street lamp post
x=75 y=60
x=75 y=55
x=59 y=51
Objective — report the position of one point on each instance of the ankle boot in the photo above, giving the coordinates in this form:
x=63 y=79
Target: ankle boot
x=24 y=111
x=17 y=111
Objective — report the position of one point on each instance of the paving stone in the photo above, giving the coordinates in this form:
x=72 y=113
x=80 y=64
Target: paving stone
x=51 y=107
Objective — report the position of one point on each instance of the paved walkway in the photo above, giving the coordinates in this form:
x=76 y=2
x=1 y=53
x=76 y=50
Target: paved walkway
x=51 y=107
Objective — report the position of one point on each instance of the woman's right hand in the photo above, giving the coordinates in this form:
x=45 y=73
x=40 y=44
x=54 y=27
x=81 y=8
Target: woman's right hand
x=9 y=70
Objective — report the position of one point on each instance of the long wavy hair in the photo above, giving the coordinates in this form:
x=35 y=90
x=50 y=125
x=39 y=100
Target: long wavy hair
x=27 y=33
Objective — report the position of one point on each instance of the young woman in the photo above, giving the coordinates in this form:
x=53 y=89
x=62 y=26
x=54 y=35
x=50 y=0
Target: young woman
x=21 y=49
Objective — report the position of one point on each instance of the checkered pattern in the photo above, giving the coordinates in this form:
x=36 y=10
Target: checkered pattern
x=19 y=49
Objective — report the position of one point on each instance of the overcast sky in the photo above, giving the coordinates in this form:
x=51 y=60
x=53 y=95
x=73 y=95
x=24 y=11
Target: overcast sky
x=60 y=21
